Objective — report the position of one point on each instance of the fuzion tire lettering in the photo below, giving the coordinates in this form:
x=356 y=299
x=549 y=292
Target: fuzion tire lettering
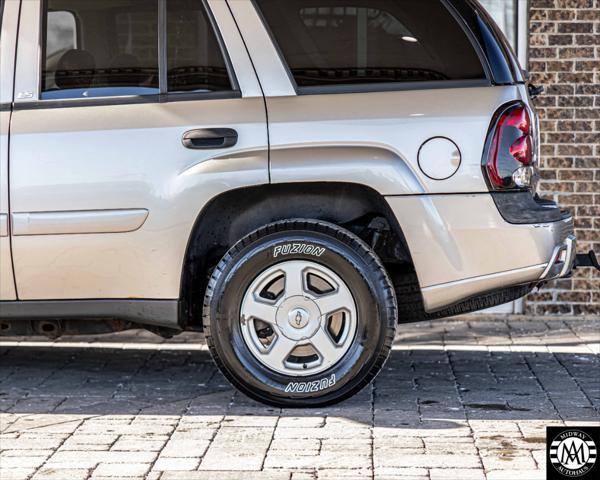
x=298 y=249
x=310 y=387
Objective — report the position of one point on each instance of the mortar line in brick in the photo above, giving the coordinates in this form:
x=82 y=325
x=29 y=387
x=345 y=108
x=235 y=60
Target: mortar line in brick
x=64 y=365
x=574 y=378
x=462 y=402
x=583 y=342
x=532 y=372
x=89 y=473
x=537 y=380
x=537 y=465
x=7 y=377
x=460 y=397
x=187 y=408
x=262 y=465
x=372 y=429
x=218 y=429
x=142 y=365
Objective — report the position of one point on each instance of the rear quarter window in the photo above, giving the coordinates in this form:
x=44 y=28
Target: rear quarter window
x=342 y=42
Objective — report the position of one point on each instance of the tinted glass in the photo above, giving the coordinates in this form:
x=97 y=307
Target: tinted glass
x=329 y=42
x=62 y=32
x=194 y=57
x=114 y=50
x=1 y=11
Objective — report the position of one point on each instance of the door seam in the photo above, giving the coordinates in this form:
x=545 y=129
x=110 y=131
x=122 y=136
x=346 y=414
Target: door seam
x=261 y=90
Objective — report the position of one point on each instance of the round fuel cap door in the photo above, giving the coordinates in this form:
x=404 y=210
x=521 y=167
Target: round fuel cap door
x=439 y=158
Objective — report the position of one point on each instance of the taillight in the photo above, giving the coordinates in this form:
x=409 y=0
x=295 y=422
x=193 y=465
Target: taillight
x=509 y=158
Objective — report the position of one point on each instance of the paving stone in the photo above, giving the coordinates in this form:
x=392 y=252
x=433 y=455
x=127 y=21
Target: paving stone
x=59 y=474
x=16 y=473
x=121 y=470
x=133 y=443
x=23 y=461
x=456 y=473
x=172 y=463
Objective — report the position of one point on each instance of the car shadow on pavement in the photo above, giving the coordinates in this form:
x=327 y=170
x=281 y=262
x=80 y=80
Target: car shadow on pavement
x=435 y=387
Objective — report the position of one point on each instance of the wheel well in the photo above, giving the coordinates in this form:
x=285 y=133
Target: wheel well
x=234 y=214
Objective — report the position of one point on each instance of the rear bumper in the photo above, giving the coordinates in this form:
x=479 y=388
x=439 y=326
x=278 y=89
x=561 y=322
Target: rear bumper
x=462 y=247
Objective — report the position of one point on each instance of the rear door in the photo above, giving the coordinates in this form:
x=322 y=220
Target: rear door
x=9 y=12
x=129 y=117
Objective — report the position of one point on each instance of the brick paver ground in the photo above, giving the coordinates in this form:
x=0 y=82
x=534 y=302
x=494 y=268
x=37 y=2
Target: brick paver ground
x=458 y=400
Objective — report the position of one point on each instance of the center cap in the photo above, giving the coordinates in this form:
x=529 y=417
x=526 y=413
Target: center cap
x=298 y=317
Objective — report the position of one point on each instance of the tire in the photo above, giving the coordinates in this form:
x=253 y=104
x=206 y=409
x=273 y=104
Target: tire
x=252 y=353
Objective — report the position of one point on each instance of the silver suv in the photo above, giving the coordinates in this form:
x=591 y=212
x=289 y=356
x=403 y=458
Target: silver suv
x=293 y=178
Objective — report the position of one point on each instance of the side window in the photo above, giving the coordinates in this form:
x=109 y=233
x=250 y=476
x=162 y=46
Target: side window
x=111 y=48
x=340 y=42
x=195 y=61
x=116 y=51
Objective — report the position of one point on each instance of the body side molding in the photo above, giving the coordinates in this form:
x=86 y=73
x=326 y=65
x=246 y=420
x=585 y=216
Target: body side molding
x=78 y=222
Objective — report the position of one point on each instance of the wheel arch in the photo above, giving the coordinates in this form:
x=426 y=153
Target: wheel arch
x=234 y=214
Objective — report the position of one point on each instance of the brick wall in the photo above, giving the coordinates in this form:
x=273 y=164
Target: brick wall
x=565 y=58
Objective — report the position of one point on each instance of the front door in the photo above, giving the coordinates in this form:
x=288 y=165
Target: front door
x=131 y=121
x=9 y=12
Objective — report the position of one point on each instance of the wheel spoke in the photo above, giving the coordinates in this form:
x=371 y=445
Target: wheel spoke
x=280 y=351
x=324 y=345
x=335 y=301
x=260 y=310
x=294 y=279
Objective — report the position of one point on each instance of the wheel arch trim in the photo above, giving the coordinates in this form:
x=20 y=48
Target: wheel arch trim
x=336 y=202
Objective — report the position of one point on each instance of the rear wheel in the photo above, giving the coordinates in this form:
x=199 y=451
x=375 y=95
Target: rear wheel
x=300 y=313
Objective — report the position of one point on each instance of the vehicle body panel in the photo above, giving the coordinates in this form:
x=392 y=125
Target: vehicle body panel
x=388 y=129
x=458 y=241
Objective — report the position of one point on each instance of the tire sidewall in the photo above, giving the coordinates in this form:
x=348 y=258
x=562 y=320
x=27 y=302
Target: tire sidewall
x=245 y=264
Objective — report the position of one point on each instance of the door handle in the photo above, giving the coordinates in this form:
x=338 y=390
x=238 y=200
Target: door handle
x=210 y=138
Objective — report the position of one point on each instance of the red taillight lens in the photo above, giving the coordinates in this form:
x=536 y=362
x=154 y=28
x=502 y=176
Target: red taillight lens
x=519 y=118
x=510 y=148
x=521 y=150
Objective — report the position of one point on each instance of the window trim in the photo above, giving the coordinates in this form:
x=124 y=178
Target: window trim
x=392 y=86
x=385 y=86
x=235 y=86
x=163 y=79
x=161 y=97
x=127 y=100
